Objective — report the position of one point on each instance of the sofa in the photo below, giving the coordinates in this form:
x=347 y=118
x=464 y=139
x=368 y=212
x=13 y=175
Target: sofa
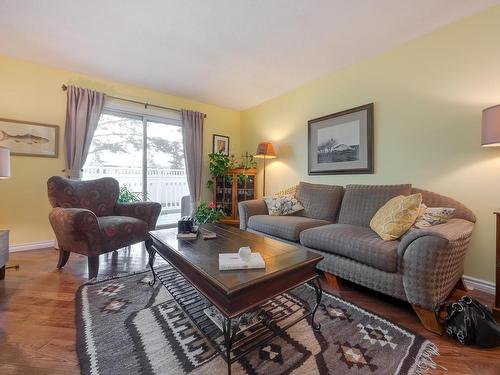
x=422 y=267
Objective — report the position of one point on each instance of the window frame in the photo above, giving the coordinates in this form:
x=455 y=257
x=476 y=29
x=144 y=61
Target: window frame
x=144 y=114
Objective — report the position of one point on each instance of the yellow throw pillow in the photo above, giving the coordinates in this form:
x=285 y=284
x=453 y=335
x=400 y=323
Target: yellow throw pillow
x=395 y=217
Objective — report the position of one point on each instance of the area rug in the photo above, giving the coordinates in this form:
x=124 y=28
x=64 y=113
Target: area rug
x=124 y=326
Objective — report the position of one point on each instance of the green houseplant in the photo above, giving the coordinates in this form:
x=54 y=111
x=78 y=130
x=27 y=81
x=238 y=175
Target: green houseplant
x=208 y=213
x=128 y=196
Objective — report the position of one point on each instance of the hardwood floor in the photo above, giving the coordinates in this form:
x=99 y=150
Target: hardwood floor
x=37 y=327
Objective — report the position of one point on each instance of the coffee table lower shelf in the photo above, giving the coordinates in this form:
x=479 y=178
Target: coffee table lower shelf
x=278 y=314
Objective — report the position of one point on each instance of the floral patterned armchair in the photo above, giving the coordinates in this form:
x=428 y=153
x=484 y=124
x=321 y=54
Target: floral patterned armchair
x=87 y=219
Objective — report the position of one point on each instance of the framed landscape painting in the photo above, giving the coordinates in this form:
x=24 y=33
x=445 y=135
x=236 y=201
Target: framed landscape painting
x=221 y=144
x=29 y=138
x=342 y=143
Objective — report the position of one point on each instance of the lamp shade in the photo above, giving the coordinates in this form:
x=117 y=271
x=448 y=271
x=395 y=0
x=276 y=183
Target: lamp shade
x=490 y=131
x=265 y=150
x=4 y=162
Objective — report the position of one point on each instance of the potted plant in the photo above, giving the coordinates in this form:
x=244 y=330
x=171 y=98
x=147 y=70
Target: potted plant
x=128 y=196
x=208 y=213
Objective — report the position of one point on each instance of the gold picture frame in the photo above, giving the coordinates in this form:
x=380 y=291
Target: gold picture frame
x=24 y=138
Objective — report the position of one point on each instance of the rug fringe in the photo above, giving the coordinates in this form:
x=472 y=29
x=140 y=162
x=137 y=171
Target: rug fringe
x=424 y=363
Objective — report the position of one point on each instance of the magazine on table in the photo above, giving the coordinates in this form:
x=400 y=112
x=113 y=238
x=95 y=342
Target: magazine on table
x=233 y=261
x=246 y=320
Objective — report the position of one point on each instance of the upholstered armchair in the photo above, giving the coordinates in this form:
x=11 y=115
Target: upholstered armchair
x=88 y=220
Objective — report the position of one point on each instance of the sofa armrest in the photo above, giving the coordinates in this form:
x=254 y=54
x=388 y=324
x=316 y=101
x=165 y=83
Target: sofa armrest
x=76 y=230
x=147 y=211
x=250 y=208
x=432 y=261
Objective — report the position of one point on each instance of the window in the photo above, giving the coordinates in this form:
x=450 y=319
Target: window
x=144 y=152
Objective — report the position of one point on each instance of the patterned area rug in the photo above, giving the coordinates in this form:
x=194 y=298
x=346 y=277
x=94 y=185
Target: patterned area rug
x=127 y=327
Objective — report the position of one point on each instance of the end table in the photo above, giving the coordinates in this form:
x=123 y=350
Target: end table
x=496 y=308
x=4 y=251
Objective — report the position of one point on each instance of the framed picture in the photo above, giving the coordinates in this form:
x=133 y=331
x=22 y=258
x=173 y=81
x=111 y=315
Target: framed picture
x=221 y=144
x=342 y=143
x=29 y=138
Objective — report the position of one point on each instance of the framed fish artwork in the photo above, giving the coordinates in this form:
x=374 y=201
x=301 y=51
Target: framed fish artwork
x=29 y=138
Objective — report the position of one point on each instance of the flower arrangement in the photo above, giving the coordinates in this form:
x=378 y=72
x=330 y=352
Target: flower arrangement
x=208 y=213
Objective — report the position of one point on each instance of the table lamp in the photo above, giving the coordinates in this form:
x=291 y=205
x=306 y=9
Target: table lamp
x=265 y=151
x=490 y=131
x=490 y=137
x=4 y=162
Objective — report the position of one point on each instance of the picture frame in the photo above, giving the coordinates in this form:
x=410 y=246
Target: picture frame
x=24 y=138
x=220 y=144
x=342 y=143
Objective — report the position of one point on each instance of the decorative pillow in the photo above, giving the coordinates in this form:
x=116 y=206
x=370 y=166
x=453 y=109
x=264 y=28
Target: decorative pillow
x=395 y=217
x=429 y=216
x=282 y=205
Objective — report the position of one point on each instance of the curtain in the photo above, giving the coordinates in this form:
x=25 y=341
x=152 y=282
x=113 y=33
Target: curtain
x=192 y=137
x=83 y=111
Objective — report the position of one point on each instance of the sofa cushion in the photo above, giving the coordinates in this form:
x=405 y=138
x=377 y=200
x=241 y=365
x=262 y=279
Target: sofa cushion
x=320 y=201
x=361 y=202
x=121 y=231
x=357 y=243
x=287 y=227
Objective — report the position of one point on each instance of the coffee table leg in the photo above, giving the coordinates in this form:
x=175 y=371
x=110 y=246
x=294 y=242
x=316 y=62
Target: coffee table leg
x=152 y=253
x=229 y=332
x=319 y=293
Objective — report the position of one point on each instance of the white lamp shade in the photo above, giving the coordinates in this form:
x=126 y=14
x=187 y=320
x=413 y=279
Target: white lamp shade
x=490 y=131
x=4 y=162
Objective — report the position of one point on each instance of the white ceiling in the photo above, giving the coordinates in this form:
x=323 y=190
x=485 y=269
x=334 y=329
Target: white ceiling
x=234 y=53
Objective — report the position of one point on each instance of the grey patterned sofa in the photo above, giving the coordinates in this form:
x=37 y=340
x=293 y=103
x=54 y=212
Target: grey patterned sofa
x=423 y=267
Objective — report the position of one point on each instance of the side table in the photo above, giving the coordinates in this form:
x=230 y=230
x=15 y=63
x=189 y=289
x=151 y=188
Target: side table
x=496 y=308
x=4 y=251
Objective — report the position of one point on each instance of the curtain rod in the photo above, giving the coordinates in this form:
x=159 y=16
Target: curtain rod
x=146 y=105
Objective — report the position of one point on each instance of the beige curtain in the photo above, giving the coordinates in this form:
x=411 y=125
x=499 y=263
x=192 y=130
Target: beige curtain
x=192 y=136
x=84 y=108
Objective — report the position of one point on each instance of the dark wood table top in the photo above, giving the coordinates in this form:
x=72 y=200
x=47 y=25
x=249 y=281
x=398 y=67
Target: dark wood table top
x=198 y=260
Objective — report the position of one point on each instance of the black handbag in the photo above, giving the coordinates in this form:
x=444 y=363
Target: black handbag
x=471 y=323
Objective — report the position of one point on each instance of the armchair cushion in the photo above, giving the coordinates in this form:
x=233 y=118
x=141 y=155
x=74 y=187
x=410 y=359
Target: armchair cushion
x=121 y=231
x=146 y=211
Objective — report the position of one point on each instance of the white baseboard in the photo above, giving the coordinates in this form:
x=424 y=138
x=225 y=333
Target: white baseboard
x=478 y=284
x=32 y=246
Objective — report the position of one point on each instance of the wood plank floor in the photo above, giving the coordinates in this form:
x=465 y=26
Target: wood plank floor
x=37 y=307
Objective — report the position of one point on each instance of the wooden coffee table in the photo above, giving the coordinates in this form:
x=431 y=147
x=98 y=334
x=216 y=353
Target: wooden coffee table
x=196 y=264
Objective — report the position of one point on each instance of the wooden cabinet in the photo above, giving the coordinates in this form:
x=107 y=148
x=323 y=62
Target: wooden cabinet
x=237 y=186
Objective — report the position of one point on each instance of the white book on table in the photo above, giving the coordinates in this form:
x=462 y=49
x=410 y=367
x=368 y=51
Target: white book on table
x=233 y=261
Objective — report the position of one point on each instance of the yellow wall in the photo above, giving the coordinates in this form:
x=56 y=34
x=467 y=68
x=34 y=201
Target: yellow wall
x=428 y=97
x=33 y=92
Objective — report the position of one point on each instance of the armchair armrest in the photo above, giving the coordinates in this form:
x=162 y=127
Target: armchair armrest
x=250 y=208
x=76 y=230
x=147 y=211
x=432 y=261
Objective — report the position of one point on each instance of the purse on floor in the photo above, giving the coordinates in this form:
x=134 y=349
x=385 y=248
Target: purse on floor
x=471 y=323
